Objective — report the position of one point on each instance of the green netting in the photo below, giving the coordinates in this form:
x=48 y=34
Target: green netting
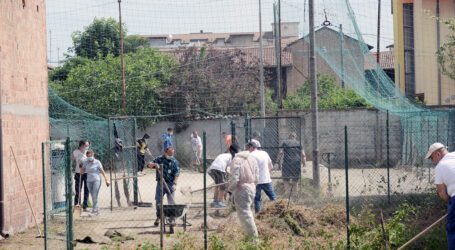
x=340 y=42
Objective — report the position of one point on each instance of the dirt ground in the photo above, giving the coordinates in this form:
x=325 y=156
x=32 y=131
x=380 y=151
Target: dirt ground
x=135 y=224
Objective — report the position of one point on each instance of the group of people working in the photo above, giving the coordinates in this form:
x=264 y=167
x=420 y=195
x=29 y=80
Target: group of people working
x=249 y=173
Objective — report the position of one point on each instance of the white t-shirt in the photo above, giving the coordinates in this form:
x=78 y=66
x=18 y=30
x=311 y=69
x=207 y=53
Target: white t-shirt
x=263 y=160
x=93 y=170
x=195 y=142
x=221 y=162
x=445 y=173
x=80 y=158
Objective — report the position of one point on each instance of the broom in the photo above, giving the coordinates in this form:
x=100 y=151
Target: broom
x=423 y=232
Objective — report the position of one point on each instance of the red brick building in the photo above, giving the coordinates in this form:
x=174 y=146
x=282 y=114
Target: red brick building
x=24 y=110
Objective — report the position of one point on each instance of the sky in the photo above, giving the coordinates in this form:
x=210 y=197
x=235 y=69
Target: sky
x=148 y=17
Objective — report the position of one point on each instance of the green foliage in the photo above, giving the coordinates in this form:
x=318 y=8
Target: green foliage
x=271 y=107
x=102 y=37
x=329 y=96
x=96 y=85
x=446 y=53
x=147 y=246
x=216 y=81
x=368 y=234
x=61 y=73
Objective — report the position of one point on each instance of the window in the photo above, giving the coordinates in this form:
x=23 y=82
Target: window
x=408 y=33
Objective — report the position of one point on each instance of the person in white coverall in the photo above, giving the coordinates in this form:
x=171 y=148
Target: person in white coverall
x=245 y=176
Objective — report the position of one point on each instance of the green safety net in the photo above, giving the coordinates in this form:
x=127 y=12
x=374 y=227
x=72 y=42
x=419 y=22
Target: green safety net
x=340 y=42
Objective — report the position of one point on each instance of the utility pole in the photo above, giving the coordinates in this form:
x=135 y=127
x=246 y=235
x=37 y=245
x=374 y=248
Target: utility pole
x=314 y=98
x=279 y=47
x=261 y=61
x=378 y=44
x=121 y=54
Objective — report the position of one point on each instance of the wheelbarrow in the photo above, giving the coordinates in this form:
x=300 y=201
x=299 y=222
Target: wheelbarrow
x=174 y=212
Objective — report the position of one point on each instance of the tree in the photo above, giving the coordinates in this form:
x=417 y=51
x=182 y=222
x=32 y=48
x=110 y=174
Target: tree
x=446 y=53
x=96 y=85
x=102 y=37
x=218 y=81
x=330 y=95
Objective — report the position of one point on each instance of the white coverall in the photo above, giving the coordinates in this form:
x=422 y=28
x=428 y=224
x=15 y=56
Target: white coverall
x=245 y=176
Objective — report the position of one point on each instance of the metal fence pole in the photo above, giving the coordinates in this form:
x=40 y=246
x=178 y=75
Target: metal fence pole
x=204 y=152
x=111 y=156
x=135 y=166
x=233 y=140
x=346 y=166
x=388 y=156
x=69 y=196
x=44 y=196
x=246 y=128
x=162 y=228
x=314 y=97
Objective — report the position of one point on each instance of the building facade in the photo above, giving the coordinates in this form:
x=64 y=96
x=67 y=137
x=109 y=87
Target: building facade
x=417 y=37
x=24 y=111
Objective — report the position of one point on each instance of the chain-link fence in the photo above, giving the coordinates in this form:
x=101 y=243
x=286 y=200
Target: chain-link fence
x=57 y=200
x=364 y=161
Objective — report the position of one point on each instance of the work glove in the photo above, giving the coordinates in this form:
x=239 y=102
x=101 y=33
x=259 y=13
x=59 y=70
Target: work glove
x=174 y=187
x=107 y=182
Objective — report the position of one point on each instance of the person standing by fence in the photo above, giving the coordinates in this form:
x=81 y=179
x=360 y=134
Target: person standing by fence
x=444 y=178
x=166 y=139
x=142 y=148
x=94 y=168
x=196 y=145
x=293 y=160
x=79 y=156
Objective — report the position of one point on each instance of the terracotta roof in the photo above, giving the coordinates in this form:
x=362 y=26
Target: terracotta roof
x=252 y=55
x=212 y=37
x=386 y=60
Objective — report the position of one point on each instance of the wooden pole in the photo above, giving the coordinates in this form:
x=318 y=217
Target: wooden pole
x=25 y=190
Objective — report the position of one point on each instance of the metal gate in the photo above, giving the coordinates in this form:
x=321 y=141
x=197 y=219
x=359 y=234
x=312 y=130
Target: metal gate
x=57 y=194
x=281 y=138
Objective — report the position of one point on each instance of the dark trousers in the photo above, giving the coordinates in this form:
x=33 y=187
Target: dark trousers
x=77 y=198
x=140 y=162
x=450 y=224
x=158 y=196
x=268 y=189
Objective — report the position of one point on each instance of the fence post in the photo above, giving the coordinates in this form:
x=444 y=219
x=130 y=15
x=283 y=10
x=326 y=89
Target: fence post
x=388 y=156
x=69 y=196
x=346 y=166
x=111 y=158
x=44 y=196
x=204 y=152
x=135 y=166
x=247 y=127
x=233 y=140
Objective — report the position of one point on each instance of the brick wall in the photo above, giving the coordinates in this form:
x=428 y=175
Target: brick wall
x=24 y=107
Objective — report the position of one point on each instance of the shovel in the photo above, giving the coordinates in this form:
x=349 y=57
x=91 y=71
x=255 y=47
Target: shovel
x=77 y=209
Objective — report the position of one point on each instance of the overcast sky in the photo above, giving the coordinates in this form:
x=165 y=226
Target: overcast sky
x=147 y=17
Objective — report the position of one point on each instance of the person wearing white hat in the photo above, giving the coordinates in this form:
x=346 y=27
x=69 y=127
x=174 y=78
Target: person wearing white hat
x=444 y=178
